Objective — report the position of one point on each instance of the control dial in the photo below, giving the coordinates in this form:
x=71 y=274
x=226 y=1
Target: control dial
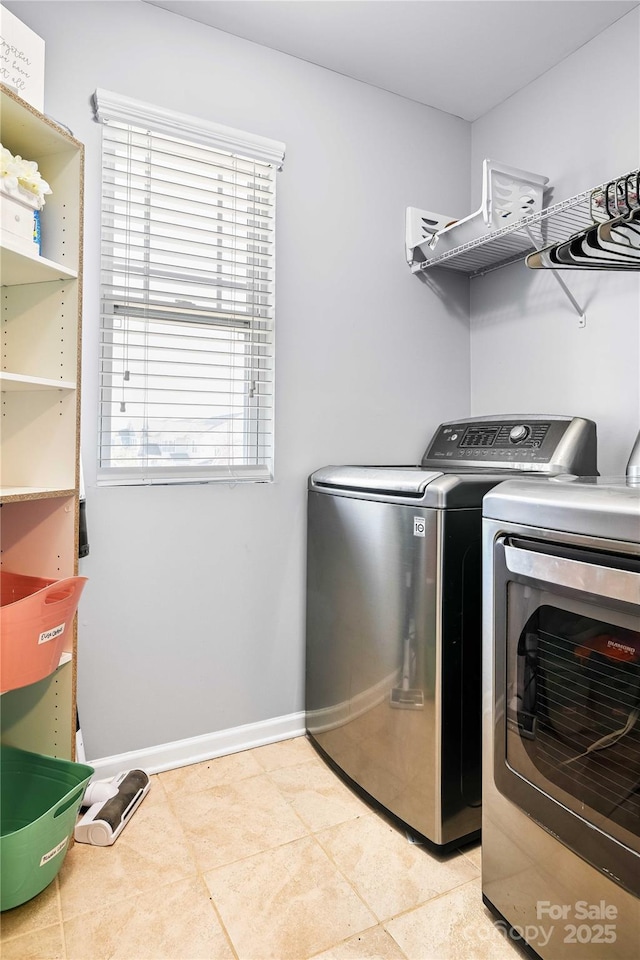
x=519 y=433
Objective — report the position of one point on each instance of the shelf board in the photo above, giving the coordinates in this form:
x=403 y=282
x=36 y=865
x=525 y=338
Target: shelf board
x=12 y=494
x=23 y=126
x=498 y=248
x=18 y=267
x=12 y=382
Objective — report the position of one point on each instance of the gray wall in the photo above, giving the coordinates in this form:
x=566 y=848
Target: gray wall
x=193 y=618
x=579 y=125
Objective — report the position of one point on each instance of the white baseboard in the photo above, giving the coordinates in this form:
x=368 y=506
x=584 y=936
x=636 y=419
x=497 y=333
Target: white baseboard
x=180 y=753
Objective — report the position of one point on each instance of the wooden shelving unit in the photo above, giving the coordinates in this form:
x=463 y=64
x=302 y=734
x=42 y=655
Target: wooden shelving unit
x=40 y=392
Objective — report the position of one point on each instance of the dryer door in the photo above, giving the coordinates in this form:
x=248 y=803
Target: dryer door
x=567 y=736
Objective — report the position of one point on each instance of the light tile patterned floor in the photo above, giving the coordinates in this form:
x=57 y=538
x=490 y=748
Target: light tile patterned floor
x=263 y=855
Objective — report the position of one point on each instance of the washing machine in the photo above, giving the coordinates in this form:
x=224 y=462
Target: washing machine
x=393 y=619
x=561 y=796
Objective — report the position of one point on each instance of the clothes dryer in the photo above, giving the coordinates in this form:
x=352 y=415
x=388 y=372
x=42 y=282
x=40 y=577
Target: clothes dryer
x=561 y=795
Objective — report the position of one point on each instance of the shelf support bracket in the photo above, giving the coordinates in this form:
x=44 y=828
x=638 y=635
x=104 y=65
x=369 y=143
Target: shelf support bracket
x=582 y=317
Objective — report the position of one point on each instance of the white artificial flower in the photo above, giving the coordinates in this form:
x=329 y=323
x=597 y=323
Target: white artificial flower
x=16 y=172
x=8 y=169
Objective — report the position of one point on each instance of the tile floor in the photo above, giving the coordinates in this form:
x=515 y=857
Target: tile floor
x=262 y=854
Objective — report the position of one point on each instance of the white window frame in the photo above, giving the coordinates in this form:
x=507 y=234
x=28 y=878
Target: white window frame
x=114 y=109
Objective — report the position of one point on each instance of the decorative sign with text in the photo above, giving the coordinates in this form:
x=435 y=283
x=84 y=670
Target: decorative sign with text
x=21 y=59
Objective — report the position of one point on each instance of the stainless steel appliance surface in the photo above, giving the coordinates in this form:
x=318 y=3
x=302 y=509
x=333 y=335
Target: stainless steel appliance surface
x=393 y=636
x=561 y=714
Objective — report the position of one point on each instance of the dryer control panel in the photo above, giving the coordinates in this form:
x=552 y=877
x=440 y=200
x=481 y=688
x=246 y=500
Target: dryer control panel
x=527 y=442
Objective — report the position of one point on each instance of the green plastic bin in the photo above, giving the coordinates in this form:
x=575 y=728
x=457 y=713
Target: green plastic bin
x=39 y=801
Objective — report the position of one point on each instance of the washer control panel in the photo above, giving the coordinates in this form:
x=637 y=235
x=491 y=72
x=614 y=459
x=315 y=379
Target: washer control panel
x=500 y=436
x=524 y=442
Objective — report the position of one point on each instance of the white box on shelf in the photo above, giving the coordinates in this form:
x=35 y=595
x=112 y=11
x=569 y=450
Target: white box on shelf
x=16 y=216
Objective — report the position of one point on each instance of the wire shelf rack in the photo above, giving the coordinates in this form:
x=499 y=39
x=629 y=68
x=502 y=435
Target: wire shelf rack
x=545 y=229
x=507 y=245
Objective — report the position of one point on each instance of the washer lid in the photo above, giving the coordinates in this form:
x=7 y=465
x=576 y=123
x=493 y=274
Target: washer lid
x=394 y=481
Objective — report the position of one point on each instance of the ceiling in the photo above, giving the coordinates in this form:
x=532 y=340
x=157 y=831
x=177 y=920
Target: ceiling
x=461 y=56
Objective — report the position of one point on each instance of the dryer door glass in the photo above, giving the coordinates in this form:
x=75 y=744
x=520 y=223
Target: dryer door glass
x=575 y=716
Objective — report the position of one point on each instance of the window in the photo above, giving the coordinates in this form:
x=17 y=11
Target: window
x=187 y=290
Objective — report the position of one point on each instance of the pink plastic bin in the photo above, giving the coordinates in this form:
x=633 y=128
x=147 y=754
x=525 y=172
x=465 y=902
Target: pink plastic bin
x=36 y=616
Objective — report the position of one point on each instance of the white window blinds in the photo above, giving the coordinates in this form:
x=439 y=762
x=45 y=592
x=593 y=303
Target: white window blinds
x=187 y=291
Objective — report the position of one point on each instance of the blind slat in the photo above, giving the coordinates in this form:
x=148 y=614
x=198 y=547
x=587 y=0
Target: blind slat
x=139 y=177
x=177 y=269
x=198 y=203
x=219 y=246
x=124 y=297
x=150 y=228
